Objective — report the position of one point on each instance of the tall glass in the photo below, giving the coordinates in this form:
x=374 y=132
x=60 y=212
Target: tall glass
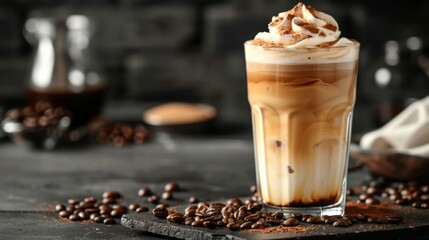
x=302 y=104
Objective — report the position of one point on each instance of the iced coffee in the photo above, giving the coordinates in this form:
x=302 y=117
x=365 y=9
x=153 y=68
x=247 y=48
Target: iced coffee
x=301 y=87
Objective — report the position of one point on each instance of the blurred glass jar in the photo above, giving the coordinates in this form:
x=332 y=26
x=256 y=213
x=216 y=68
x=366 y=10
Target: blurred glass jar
x=63 y=71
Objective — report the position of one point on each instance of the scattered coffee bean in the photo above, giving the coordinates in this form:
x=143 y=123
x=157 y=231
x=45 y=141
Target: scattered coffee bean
x=253 y=189
x=153 y=199
x=274 y=220
x=143 y=192
x=74 y=217
x=116 y=213
x=133 y=206
x=341 y=223
x=73 y=201
x=109 y=221
x=167 y=195
x=372 y=201
x=112 y=194
x=197 y=223
x=64 y=214
x=99 y=219
x=171 y=186
x=209 y=224
x=142 y=209
x=93 y=216
x=109 y=200
x=291 y=222
x=160 y=212
x=60 y=207
x=193 y=200
x=314 y=220
x=83 y=215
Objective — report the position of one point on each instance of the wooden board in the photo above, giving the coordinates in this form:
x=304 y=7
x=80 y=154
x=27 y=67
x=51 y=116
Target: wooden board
x=414 y=226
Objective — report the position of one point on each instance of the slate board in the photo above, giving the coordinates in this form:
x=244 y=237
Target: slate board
x=414 y=226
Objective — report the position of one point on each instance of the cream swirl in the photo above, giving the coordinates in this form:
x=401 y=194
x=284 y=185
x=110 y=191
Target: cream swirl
x=302 y=27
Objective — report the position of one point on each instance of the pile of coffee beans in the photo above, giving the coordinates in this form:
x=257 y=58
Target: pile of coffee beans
x=407 y=194
x=40 y=115
x=120 y=134
x=236 y=214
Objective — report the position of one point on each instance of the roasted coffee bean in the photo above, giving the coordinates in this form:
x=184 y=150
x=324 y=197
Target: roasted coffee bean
x=133 y=206
x=255 y=207
x=120 y=207
x=171 y=186
x=85 y=205
x=109 y=221
x=373 y=190
x=70 y=208
x=92 y=216
x=167 y=195
x=90 y=199
x=246 y=225
x=253 y=189
x=177 y=217
x=394 y=219
x=350 y=218
x=109 y=200
x=278 y=215
x=424 y=205
x=153 y=199
x=361 y=217
x=83 y=215
x=105 y=211
x=372 y=201
x=402 y=202
x=273 y=220
x=233 y=226
x=252 y=217
x=112 y=194
x=193 y=200
x=143 y=192
x=341 y=223
x=74 y=217
x=297 y=216
x=60 y=207
x=142 y=209
x=64 y=214
x=189 y=220
x=73 y=201
x=330 y=220
x=160 y=212
x=92 y=210
x=117 y=213
x=424 y=188
x=162 y=205
x=314 y=220
x=197 y=223
x=190 y=213
x=350 y=192
x=220 y=224
x=391 y=190
x=257 y=225
x=416 y=204
x=364 y=196
x=99 y=219
x=291 y=222
x=209 y=224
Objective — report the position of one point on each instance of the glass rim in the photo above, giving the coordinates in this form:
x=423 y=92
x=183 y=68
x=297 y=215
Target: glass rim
x=247 y=44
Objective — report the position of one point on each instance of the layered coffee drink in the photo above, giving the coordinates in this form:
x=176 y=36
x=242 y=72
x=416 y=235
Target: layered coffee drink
x=301 y=86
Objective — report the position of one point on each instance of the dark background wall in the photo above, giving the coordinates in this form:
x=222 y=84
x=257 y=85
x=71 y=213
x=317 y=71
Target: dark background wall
x=192 y=50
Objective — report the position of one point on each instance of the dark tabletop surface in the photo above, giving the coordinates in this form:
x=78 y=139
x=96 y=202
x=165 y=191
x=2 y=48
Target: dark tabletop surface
x=210 y=167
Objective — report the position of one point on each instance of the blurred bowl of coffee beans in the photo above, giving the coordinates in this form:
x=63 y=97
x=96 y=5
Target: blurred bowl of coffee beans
x=40 y=125
x=392 y=165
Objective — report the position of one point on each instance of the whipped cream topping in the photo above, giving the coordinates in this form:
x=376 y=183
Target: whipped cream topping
x=302 y=27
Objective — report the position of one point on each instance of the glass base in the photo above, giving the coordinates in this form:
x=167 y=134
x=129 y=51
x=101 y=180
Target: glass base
x=330 y=210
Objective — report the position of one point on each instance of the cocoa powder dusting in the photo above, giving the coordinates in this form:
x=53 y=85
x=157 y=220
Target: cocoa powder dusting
x=281 y=229
x=381 y=210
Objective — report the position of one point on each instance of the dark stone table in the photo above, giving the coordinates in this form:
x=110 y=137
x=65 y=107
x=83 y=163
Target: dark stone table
x=32 y=182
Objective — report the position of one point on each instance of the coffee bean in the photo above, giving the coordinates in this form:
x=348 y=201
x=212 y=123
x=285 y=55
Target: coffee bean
x=246 y=225
x=153 y=199
x=93 y=216
x=99 y=219
x=291 y=222
x=117 y=213
x=171 y=186
x=424 y=205
x=176 y=217
x=233 y=226
x=372 y=201
x=90 y=199
x=112 y=194
x=84 y=205
x=253 y=189
x=193 y=200
x=257 y=226
x=60 y=207
x=64 y=214
x=74 y=217
x=373 y=190
x=133 y=206
x=197 y=224
x=143 y=192
x=209 y=224
x=109 y=221
x=364 y=196
x=373 y=220
x=160 y=212
x=142 y=209
x=278 y=215
x=424 y=188
x=273 y=221
x=167 y=195
x=416 y=204
x=92 y=210
x=424 y=197
x=350 y=218
x=73 y=201
x=189 y=220
x=314 y=220
x=109 y=200
x=252 y=217
x=350 y=192
x=394 y=219
x=220 y=224
x=297 y=216
x=341 y=223
x=361 y=217
x=106 y=211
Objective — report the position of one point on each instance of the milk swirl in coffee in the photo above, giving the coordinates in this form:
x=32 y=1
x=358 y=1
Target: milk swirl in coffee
x=301 y=87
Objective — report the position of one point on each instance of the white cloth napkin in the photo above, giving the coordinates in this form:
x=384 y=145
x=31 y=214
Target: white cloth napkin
x=407 y=133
